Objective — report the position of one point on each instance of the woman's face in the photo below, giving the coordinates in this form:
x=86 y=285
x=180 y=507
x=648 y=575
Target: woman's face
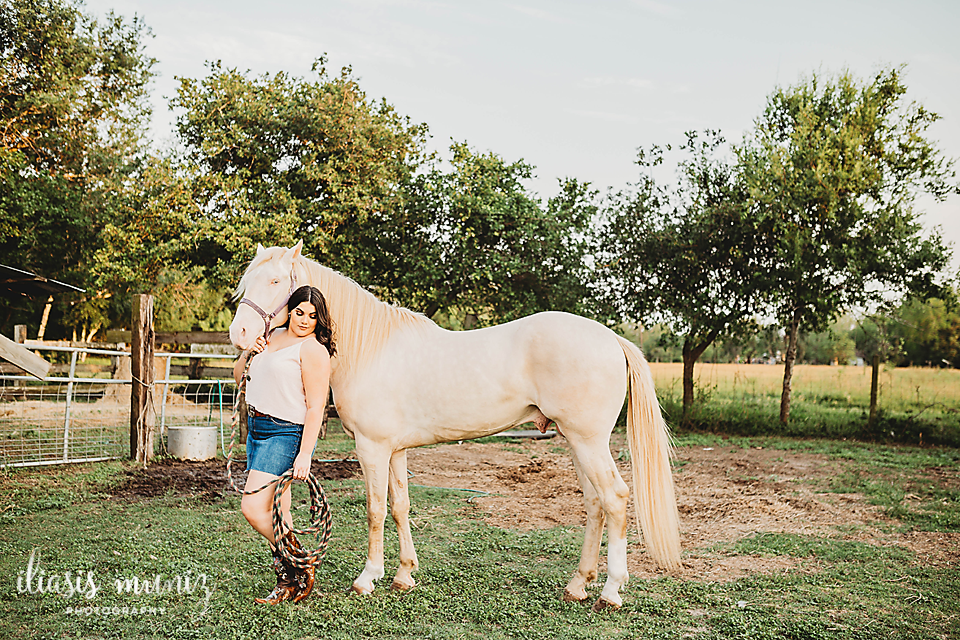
x=303 y=319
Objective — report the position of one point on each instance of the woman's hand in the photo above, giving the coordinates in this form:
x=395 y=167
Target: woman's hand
x=257 y=347
x=301 y=465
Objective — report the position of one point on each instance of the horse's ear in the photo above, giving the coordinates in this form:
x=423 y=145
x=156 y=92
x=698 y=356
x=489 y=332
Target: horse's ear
x=260 y=248
x=296 y=249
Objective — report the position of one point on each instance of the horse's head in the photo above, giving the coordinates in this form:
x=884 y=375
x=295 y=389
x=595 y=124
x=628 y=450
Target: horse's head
x=265 y=288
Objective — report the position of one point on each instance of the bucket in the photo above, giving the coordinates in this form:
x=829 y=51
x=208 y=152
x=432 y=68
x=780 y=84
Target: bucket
x=192 y=443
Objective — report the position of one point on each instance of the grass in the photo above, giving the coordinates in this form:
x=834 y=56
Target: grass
x=901 y=388
x=476 y=581
x=919 y=406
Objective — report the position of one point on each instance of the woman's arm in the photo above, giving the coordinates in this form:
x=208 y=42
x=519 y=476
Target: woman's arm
x=241 y=362
x=315 y=370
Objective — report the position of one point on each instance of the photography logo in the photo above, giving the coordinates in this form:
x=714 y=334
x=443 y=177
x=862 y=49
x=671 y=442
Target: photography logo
x=128 y=594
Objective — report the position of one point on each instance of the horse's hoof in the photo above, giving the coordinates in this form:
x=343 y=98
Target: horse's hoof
x=360 y=591
x=572 y=597
x=396 y=585
x=602 y=604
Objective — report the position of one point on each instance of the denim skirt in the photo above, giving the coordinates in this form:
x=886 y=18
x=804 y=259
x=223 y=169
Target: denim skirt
x=272 y=444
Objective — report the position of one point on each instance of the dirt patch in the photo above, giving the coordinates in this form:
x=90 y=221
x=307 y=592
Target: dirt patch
x=723 y=494
x=207 y=479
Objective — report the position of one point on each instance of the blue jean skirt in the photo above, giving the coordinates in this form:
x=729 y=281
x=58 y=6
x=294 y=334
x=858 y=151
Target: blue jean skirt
x=272 y=444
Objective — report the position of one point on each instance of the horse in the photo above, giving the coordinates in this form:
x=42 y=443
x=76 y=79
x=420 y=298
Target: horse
x=399 y=381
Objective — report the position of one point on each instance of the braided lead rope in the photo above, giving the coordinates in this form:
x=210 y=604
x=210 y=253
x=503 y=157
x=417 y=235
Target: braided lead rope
x=321 y=520
x=321 y=523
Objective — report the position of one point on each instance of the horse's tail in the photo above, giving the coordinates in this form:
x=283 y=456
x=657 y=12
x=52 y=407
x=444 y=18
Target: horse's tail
x=650 y=452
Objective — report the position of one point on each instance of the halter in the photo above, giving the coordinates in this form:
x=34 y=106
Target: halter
x=267 y=318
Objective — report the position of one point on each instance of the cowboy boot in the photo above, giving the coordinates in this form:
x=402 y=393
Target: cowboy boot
x=286 y=582
x=304 y=577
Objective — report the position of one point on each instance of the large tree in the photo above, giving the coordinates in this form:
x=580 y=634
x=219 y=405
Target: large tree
x=833 y=167
x=691 y=257
x=276 y=158
x=73 y=115
x=487 y=248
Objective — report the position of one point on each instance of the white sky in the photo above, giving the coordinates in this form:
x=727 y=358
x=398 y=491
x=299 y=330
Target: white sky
x=573 y=88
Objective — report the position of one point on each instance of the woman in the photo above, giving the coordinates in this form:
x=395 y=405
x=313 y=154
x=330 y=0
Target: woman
x=286 y=394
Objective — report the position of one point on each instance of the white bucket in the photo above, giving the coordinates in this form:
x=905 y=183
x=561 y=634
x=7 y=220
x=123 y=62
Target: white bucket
x=192 y=443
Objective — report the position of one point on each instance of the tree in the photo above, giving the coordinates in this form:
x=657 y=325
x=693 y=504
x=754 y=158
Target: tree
x=927 y=332
x=692 y=259
x=834 y=345
x=833 y=169
x=275 y=159
x=73 y=115
x=489 y=248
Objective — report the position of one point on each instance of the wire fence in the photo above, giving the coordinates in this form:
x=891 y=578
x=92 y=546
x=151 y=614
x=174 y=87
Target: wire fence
x=904 y=389
x=81 y=413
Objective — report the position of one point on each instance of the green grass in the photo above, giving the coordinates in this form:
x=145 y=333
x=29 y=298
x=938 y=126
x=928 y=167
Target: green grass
x=476 y=581
x=916 y=406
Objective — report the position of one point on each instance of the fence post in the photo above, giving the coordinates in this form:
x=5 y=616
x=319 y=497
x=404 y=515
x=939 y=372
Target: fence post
x=142 y=373
x=19 y=336
x=874 y=380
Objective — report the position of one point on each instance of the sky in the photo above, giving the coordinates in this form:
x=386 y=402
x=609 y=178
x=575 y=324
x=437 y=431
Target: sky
x=572 y=88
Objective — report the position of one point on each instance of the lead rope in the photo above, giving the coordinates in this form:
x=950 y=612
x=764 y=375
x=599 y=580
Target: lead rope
x=321 y=520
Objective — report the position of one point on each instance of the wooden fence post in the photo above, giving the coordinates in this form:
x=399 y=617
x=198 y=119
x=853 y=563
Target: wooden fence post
x=20 y=336
x=141 y=387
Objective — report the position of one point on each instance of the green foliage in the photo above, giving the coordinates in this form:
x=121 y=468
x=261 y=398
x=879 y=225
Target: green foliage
x=275 y=159
x=692 y=259
x=835 y=344
x=833 y=168
x=73 y=113
x=927 y=332
x=485 y=246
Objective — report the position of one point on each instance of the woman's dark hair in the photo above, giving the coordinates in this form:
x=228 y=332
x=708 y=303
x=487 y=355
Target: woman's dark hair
x=324 y=328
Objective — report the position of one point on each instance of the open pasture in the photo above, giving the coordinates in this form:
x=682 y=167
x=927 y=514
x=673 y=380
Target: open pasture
x=916 y=405
x=900 y=388
x=781 y=538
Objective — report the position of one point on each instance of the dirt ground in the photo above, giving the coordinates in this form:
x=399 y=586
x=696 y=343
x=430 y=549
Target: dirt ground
x=207 y=479
x=723 y=494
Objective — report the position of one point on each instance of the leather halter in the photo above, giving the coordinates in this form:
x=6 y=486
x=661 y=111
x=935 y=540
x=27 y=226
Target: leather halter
x=267 y=318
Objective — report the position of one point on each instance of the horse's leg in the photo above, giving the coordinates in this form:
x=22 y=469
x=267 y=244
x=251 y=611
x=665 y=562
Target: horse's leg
x=375 y=463
x=400 y=508
x=576 y=589
x=598 y=466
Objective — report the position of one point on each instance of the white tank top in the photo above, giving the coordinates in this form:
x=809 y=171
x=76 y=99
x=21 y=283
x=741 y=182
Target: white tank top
x=276 y=384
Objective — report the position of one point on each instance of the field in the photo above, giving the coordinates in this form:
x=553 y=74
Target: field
x=782 y=538
x=916 y=405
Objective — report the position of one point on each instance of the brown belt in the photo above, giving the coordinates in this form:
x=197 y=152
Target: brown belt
x=257 y=414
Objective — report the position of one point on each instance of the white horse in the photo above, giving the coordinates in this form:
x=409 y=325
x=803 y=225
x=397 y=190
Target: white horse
x=401 y=381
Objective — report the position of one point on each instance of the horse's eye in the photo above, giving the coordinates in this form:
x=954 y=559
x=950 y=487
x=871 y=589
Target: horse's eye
x=275 y=281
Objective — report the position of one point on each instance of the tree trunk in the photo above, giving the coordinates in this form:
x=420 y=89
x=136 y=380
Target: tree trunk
x=788 y=361
x=874 y=380
x=692 y=353
x=688 y=362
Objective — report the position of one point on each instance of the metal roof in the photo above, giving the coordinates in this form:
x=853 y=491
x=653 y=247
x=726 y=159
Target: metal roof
x=16 y=282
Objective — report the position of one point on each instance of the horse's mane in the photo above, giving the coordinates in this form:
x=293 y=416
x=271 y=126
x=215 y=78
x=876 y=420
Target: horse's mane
x=362 y=322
